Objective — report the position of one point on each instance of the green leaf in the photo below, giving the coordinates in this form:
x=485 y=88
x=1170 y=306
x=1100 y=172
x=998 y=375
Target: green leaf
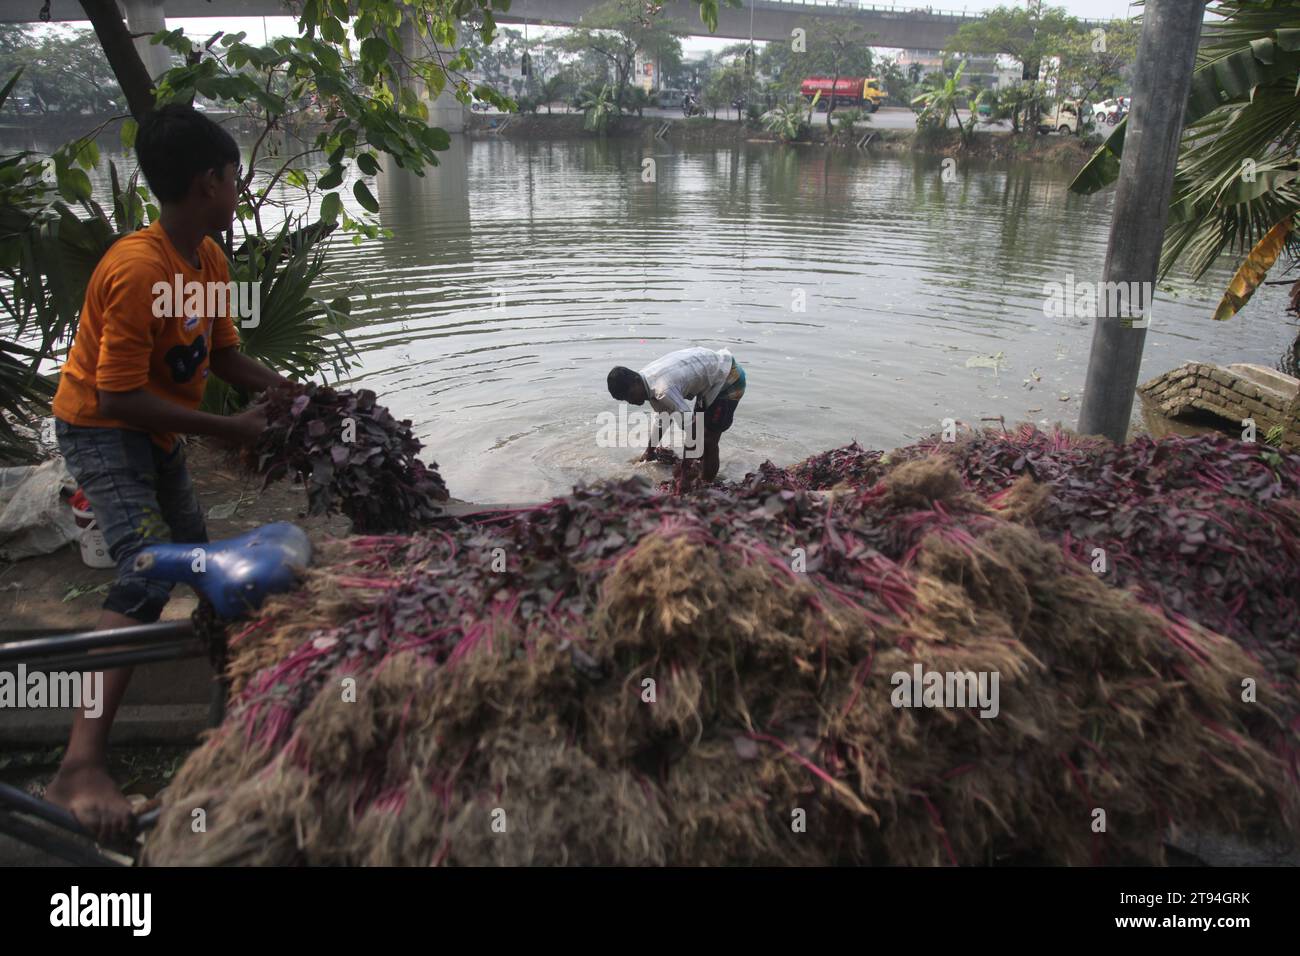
x=74 y=184
x=129 y=128
x=436 y=138
x=374 y=52
x=333 y=31
x=330 y=207
x=332 y=179
x=1102 y=168
x=368 y=164
x=709 y=14
x=365 y=197
x=88 y=155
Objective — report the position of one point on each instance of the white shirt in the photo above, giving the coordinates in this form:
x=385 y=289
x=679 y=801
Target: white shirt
x=673 y=381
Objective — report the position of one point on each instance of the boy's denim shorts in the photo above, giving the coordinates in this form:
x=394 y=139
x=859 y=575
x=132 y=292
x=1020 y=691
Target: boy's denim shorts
x=141 y=495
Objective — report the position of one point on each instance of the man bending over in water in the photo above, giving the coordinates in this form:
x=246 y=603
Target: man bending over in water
x=682 y=382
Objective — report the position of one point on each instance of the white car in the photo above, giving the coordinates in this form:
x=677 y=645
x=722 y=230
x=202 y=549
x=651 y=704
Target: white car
x=1108 y=112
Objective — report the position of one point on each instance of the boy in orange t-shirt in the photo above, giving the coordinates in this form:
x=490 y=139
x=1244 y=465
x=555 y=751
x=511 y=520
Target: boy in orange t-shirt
x=132 y=383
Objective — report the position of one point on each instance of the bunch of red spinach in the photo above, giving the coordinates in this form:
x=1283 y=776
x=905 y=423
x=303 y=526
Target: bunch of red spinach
x=353 y=456
x=1207 y=527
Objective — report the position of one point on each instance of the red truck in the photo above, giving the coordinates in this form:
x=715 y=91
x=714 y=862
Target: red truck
x=849 y=91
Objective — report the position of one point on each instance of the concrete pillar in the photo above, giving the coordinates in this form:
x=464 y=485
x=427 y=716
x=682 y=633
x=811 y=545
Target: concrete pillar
x=146 y=16
x=446 y=111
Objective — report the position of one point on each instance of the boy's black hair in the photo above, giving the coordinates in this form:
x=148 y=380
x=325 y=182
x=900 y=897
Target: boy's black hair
x=175 y=143
x=620 y=382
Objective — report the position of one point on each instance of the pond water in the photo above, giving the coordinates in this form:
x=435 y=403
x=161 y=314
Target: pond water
x=854 y=288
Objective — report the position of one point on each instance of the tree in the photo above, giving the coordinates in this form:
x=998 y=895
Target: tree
x=727 y=85
x=1096 y=59
x=940 y=100
x=838 y=48
x=618 y=30
x=786 y=122
x=63 y=69
x=559 y=86
x=1030 y=34
x=895 y=81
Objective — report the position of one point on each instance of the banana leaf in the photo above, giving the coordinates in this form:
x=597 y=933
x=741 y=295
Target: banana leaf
x=1253 y=270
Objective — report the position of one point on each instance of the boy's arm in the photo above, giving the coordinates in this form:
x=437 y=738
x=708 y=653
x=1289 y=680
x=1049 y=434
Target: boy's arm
x=148 y=412
x=242 y=371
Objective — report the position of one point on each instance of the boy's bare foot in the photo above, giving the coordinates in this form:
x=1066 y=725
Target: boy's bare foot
x=87 y=790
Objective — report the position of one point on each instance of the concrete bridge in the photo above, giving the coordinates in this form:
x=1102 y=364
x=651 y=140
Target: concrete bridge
x=923 y=28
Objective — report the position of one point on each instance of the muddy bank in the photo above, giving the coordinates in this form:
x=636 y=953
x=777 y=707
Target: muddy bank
x=697 y=129
x=58 y=590
x=1049 y=148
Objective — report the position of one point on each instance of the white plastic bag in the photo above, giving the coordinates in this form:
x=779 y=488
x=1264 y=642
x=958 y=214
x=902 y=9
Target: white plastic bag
x=34 y=519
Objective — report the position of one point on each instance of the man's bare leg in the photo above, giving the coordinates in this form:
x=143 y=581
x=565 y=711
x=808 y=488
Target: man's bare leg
x=83 y=784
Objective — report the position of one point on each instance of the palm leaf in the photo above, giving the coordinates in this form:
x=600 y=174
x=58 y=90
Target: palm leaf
x=297 y=333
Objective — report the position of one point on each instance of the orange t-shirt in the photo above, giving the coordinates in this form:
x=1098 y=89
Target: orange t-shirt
x=143 y=326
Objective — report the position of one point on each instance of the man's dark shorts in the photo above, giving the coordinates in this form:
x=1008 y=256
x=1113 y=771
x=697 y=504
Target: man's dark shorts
x=141 y=495
x=719 y=415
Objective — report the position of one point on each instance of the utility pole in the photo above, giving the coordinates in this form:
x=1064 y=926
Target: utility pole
x=1162 y=78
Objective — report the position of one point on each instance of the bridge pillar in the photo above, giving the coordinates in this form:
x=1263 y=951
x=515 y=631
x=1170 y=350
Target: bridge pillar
x=445 y=111
x=146 y=16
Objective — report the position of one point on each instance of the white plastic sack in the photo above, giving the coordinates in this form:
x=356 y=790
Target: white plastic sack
x=34 y=519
